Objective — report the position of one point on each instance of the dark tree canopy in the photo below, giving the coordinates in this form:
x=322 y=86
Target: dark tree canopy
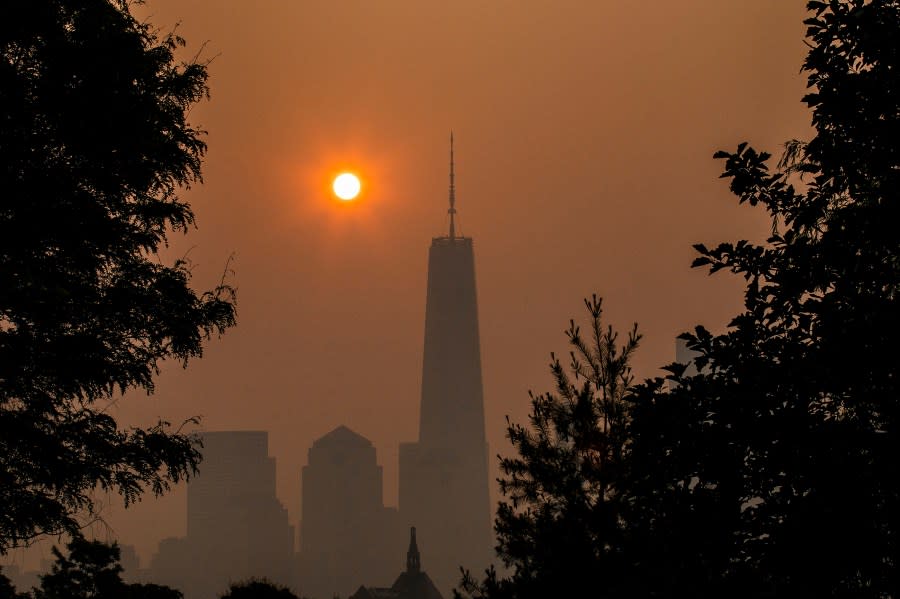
x=7 y=590
x=94 y=148
x=773 y=471
x=558 y=529
x=777 y=466
x=258 y=589
x=91 y=570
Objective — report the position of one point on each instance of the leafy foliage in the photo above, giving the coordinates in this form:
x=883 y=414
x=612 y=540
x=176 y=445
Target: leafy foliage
x=776 y=466
x=94 y=147
x=559 y=527
x=150 y=591
x=91 y=570
x=7 y=590
x=258 y=589
x=771 y=469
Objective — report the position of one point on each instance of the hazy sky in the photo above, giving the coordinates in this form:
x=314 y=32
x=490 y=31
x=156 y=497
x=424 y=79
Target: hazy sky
x=584 y=140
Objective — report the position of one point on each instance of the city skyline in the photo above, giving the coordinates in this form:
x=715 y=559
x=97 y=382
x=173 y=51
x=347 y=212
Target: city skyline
x=305 y=269
x=230 y=369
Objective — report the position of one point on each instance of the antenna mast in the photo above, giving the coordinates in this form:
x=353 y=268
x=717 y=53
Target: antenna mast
x=452 y=210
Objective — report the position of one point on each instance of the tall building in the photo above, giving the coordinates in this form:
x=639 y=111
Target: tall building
x=443 y=476
x=236 y=527
x=346 y=534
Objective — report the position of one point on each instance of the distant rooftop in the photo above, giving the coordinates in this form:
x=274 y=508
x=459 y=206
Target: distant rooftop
x=342 y=436
x=234 y=443
x=233 y=434
x=411 y=584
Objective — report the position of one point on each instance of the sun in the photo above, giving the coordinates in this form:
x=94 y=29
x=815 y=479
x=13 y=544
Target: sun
x=346 y=186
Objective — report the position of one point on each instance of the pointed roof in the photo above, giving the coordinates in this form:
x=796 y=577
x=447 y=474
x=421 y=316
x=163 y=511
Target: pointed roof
x=365 y=592
x=413 y=560
x=342 y=436
x=411 y=584
x=414 y=583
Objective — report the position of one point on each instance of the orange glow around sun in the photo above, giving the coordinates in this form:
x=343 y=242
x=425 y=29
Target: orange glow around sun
x=312 y=193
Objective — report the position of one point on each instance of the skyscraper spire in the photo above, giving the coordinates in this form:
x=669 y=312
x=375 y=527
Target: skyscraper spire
x=413 y=562
x=444 y=482
x=452 y=210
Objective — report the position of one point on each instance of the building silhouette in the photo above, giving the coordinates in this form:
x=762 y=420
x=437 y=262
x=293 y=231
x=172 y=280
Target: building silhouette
x=236 y=527
x=443 y=476
x=346 y=533
x=414 y=583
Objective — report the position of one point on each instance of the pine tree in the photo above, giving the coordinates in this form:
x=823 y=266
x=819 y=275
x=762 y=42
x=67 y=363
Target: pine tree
x=559 y=528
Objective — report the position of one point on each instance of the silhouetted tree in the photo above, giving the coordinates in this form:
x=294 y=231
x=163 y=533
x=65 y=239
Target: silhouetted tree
x=7 y=590
x=91 y=570
x=258 y=589
x=774 y=471
x=559 y=527
x=94 y=147
x=150 y=591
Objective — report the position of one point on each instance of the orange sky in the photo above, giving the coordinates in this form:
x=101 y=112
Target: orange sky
x=584 y=136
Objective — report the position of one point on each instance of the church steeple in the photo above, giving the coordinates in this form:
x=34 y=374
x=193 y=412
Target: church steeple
x=413 y=562
x=452 y=210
